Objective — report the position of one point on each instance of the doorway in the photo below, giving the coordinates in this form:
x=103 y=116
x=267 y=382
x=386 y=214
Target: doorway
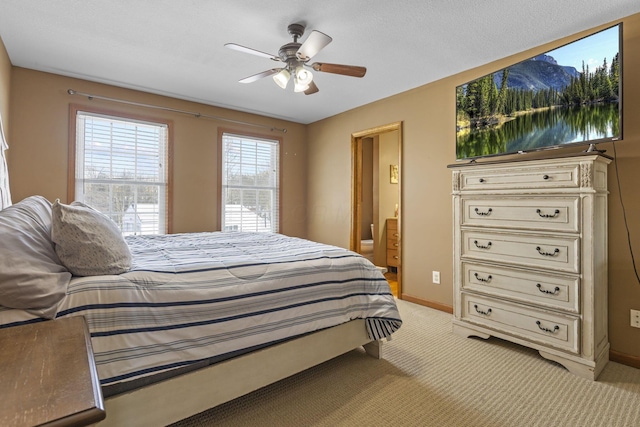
x=376 y=199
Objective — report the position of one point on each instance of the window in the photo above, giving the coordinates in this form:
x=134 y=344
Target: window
x=249 y=183
x=122 y=169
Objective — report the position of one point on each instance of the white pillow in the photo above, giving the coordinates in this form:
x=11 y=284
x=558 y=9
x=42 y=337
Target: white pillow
x=31 y=275
x=88 y=242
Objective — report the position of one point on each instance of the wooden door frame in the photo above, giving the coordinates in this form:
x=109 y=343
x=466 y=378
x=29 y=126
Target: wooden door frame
x=356 y=189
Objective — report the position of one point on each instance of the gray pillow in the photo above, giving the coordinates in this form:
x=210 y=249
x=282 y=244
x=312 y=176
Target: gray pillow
x=88 y=242
x=31 y=275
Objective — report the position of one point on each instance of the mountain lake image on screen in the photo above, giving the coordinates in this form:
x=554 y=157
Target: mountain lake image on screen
x=569 y=95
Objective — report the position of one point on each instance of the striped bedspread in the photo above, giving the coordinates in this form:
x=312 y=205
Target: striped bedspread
x=191 y=297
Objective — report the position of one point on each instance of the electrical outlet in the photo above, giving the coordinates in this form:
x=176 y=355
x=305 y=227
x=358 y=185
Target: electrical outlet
x=436 y=277
x=635 y=318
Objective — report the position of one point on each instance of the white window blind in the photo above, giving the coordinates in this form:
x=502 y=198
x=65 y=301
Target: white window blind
x=250 y=184
x=121 y=170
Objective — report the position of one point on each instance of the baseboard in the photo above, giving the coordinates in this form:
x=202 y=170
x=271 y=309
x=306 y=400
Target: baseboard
x=625 y=359
x=427 y=303
x=614 y=356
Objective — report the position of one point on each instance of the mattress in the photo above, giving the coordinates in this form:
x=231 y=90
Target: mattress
x=191 y=298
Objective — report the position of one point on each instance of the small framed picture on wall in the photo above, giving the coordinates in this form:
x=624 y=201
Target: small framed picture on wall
x=393 y=174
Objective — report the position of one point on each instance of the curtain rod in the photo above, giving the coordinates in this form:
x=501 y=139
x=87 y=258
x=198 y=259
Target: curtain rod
x=174 y=110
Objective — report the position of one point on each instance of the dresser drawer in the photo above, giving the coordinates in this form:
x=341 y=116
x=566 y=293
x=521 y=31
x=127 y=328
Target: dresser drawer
x=550 y=329
x=392 y=242
x=392 y=227
x=520 y=176
x=531 y=213
x=552 y=252
x=392 y=258
x=552 y=291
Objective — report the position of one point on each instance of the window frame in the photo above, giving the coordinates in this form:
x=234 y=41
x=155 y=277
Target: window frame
x=71 y=162
x=242 y=133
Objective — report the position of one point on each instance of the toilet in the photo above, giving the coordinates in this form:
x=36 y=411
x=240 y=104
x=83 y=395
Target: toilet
x=366 y=250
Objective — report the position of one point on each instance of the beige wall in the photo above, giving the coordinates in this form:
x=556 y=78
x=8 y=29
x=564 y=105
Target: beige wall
x=5 y=86
x=39 y=146
x=428 y=117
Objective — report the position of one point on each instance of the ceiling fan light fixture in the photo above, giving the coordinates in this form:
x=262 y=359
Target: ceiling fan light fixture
x=303 y=76
x=282 y=78
x=300 y=87
x=295 y=57
x=302 y=79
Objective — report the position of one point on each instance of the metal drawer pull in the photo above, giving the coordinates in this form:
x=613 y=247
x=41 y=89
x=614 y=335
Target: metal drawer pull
x=482 y=279
x=487 y=213
x=545 y=291
x=541 y=252
x=555 y=214
x=551 y=331
x=481 y=180
x=484 y=313
x=545 y=177
x=479 y=246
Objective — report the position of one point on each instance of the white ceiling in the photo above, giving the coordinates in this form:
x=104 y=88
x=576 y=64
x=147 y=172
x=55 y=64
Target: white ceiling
x=176 y=47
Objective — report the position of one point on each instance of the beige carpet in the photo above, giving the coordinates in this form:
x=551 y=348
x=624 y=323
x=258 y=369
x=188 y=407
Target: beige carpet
x=430 y=377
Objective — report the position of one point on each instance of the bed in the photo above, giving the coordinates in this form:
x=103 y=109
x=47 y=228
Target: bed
x=204 y=316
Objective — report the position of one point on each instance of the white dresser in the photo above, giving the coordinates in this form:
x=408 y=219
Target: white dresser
x=530 y=256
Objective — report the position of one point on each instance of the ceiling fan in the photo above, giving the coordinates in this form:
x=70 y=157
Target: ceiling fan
x=296 y=57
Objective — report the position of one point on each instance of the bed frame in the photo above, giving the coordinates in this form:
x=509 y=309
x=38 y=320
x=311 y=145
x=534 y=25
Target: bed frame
x=194 y=392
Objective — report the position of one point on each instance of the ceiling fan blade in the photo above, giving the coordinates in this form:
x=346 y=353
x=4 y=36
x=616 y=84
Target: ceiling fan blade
x=261 y=75
x=245 y=49
x=345 y=70
x=313 y=44
x=312 y=89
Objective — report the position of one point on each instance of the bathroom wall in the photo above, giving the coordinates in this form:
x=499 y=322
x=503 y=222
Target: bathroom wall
x=367 y=189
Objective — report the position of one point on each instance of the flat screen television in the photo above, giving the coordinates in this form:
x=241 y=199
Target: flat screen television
x=567 y=96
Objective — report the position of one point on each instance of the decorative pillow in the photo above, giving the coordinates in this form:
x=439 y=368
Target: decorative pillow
x=31 y=275
x=88 y=242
